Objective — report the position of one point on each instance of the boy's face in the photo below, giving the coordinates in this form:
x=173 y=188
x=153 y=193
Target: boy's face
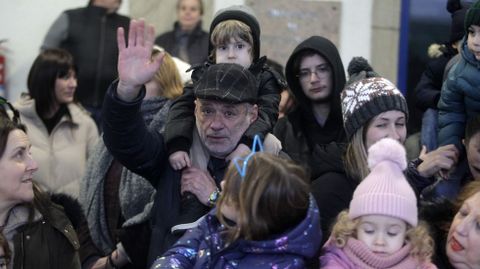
x=473 y=40
x=235 y=51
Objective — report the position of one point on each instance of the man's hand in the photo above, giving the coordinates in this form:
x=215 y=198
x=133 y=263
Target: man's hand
x=179 y=160
x=441 y=161
x=135 y=65
x=240 y=151
x=198 y=182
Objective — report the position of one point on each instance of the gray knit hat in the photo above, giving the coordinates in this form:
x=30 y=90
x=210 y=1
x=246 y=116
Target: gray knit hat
x=365 y=99
x=227 y=82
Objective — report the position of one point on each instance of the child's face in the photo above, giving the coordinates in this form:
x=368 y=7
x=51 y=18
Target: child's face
x=382 y=234
x=473 y=40
x=473 y=155
x=235 y=51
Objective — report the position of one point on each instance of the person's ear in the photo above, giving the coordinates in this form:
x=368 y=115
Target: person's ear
x=463 y=142
x=253 y=113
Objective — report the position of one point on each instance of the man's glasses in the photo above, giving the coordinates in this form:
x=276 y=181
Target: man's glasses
x=321 y=71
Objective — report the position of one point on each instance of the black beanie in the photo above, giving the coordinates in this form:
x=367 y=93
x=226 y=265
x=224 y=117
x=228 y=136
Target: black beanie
x=243 y=14
x=456 y=28
x=472 y=16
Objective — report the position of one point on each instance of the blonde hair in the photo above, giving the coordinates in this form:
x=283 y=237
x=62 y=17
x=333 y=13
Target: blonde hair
x=355 y=159
x=168 y=76
x=225 y=30
x=467 y=191
x=419 y=237
x=272 y=196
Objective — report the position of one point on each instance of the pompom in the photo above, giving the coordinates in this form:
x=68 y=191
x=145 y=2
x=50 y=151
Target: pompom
x=357 y=65
x=389 y=150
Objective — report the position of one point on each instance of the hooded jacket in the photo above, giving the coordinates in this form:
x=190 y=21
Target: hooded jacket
x=181 y=120
x=300 y=133
x=204 y=247
x=459 y=98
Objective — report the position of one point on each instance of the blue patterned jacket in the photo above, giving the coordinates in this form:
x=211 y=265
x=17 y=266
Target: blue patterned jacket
x=203 y=247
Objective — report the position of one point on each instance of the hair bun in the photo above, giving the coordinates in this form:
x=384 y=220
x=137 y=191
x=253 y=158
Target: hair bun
x=387 y=149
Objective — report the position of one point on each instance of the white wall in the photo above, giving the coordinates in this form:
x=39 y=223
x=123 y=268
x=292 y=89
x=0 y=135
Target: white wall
x=28 y=21
x=355 y=30
x=24 y=23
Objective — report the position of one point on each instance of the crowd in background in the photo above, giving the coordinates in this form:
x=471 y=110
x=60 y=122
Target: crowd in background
x=190 y=149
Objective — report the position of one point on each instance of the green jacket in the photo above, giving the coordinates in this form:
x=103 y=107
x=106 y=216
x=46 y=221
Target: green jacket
x=48 y=242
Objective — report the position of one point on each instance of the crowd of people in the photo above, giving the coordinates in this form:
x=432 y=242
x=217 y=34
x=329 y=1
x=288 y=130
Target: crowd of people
x=111 y=160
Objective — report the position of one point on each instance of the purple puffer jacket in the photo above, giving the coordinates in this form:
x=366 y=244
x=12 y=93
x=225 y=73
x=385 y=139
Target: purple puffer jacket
x=203 y=247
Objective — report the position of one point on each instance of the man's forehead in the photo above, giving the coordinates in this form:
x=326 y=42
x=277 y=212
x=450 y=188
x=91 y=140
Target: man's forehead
x=216 y=103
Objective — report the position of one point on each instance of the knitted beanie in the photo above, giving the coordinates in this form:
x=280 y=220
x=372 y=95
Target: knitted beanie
x=456 y=28
x=385 y=191
x=472 y=16
x=241 y=13
x=367 y=97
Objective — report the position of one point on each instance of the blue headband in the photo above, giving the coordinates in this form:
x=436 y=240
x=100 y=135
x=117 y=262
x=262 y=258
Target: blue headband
x=241 y=163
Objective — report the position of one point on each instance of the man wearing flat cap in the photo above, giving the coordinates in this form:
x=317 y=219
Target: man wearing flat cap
x=224 y=108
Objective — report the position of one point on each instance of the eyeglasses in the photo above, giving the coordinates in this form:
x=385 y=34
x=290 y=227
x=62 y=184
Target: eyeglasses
x=321 y=71
x=241 y=163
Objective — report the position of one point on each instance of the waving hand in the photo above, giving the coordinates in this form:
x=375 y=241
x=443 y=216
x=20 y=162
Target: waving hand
x=135 y=65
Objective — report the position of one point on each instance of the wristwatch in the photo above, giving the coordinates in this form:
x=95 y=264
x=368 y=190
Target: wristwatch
x=213 y=198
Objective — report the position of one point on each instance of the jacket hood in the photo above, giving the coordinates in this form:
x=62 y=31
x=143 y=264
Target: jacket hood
x=468 y=55
x=303 y=240
x=327 y=50
x=243 y=14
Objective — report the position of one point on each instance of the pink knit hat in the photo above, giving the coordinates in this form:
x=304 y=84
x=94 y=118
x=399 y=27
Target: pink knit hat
x=385 y=191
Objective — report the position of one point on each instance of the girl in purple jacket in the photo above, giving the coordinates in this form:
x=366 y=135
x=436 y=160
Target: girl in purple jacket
x=381 y=229
x=265 y=218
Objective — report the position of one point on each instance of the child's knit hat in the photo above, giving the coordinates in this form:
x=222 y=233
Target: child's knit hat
x=473 y=16
x=367 y=95
x=241 y=13
x=385 y=191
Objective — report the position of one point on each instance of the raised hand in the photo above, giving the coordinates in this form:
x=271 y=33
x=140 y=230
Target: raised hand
x=135 y=64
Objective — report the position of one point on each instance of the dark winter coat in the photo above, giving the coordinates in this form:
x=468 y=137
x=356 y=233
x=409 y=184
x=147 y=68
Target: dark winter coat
x=181 y=120
x=49 y=241
x=459 y=99
x=427 y=91
x=204 y=247
x=91 y=39
x=299 y=131
x=197 y=47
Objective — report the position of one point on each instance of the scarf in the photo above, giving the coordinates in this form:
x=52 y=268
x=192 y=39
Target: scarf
x=361 y=255
x=136 y=194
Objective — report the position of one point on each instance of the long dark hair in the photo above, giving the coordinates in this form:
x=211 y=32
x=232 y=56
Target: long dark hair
x=47 y=67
